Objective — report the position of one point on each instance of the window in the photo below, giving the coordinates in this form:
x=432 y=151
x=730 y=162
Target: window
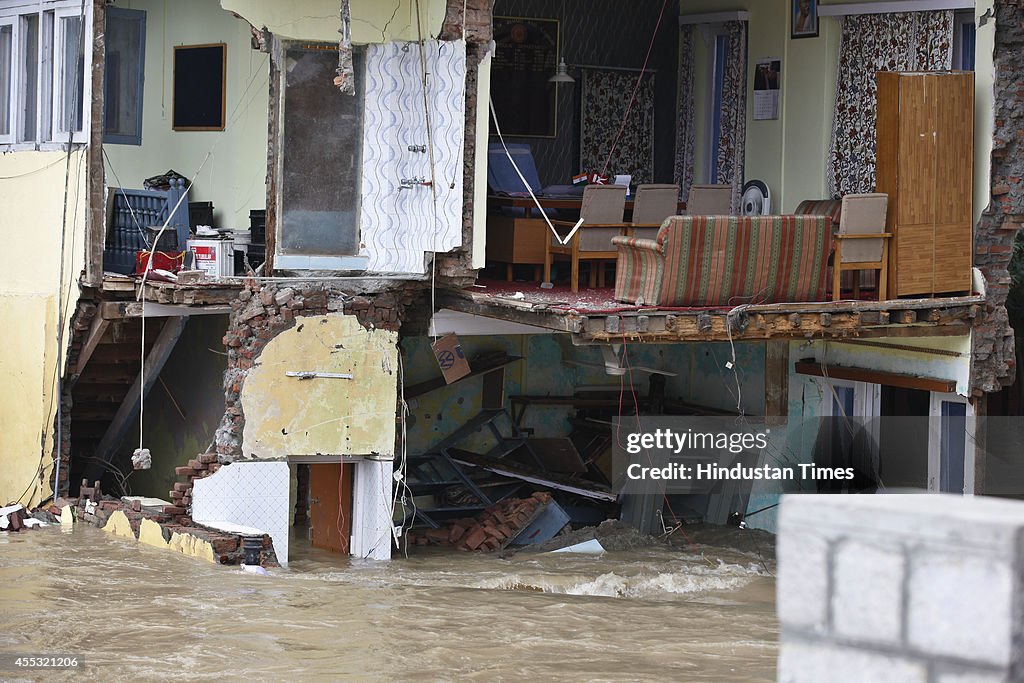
x=714 y=119
x=6 y=79
x=43 y=88
x=319 y=224
x=951 y=444
x=123 y=73
x=963 y=41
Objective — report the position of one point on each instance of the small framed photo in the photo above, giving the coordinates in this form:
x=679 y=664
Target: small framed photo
x=804 y=19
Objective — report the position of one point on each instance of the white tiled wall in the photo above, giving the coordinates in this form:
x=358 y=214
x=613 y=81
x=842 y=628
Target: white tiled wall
x=253 y=494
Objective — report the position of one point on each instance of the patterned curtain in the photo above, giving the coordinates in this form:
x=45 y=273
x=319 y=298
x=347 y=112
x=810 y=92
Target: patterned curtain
x=604 y=103
x=684 y=114
x=911 y=41
x=731 y=142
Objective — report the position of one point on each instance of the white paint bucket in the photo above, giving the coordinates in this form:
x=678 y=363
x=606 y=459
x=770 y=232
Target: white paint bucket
x=213 y=257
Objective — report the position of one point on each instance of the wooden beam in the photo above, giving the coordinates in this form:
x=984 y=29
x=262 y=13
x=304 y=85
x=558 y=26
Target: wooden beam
x=96 y=331
x=129 y=409
x=95 y=215
x=891 y=379
x=776 y=381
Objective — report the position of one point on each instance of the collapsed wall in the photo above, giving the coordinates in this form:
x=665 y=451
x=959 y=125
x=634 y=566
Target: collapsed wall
x=993 y=352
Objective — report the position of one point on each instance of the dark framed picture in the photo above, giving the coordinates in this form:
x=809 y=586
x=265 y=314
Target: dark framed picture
x=200 y=77
x=804 y=19
x=525 y=57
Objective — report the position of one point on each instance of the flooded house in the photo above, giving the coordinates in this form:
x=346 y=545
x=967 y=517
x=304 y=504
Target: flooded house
x=375 y=269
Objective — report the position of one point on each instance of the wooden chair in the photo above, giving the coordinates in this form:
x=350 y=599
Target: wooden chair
x=652 y=205
x=602 y=210
x=709 y=200
x=861 y=242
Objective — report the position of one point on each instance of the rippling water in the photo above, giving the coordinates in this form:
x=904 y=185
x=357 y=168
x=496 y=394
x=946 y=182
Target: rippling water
x=696 y=614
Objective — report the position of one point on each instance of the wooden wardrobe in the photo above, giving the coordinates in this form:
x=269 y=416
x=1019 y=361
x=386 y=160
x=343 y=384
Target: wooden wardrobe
x=925 y=163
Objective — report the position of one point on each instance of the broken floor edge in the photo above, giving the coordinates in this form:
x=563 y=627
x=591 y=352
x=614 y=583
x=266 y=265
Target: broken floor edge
x=946 y=316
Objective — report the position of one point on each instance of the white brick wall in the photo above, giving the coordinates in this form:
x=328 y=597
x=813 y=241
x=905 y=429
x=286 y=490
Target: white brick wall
x=900 y=588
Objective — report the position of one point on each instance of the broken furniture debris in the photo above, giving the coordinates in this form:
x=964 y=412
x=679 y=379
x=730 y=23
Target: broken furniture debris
x=513 y=521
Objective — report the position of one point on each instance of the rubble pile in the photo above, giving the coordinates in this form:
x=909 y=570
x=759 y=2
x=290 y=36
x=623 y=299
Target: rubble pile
x=490 y=530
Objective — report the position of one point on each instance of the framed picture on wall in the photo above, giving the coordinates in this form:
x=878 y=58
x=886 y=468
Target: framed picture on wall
x=200 y=77
x=525 y=57
x=804 y=19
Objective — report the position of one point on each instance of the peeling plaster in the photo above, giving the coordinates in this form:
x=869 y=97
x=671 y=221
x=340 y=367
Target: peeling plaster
x=290 y=416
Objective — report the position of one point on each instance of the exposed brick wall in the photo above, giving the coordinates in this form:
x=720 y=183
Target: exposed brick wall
x=467 y=18
x=993 y=351
x=263 y=311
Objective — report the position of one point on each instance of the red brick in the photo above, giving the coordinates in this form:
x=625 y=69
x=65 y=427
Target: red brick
x=183 y=471
x=174 y=510
x=181 y=486
x=475 y=538
x=208 y=458
x=196 y=465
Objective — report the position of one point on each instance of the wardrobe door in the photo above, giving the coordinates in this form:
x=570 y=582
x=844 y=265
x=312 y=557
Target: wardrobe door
x=917 y=164
x=954 y=180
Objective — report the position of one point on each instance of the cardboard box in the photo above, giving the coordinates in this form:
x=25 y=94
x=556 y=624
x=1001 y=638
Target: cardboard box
x=450 y=358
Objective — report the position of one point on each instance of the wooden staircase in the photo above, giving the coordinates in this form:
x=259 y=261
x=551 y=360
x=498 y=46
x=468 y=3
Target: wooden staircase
x=106 y=386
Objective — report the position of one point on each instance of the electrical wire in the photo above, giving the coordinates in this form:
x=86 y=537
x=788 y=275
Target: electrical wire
x=636 y=88
x=76 y=106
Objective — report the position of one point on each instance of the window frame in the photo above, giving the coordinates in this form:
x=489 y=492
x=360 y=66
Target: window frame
x=136 y=138
x=935 y=434
x=960 y=20
x=56 y=90
x=14 y=21
x=49 y=12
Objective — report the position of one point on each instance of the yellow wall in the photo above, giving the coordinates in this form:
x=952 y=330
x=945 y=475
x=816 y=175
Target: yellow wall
x=320 y=19
x=32 y=197
x=234 y=175
x=789 y=153
x=288 y=416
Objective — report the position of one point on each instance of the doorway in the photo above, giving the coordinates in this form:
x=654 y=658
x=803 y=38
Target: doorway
x=330 y=506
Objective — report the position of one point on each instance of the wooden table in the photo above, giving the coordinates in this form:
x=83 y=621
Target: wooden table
x=520 y=239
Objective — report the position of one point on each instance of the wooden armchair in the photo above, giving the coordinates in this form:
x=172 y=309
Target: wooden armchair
x=651 y=206
x=862 y=242
x=601 y=212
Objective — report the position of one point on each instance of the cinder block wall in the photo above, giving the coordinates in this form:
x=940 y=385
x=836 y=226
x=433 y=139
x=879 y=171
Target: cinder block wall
x=901 y=588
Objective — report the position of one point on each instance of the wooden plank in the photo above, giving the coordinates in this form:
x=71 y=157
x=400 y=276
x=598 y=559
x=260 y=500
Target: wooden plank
x=95 y=216
x=477 y=368
x=891 y=379
x=507 y=469
x=97 y=329
x=776 y=381
x=129 y=409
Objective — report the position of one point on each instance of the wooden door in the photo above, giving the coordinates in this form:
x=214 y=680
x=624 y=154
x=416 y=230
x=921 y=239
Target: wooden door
x=915 y=254
x=330 y=506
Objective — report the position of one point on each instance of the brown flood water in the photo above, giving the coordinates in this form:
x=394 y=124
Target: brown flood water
x=137 y=613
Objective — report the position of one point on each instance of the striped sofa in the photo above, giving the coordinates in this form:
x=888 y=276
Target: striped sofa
x=726 y=261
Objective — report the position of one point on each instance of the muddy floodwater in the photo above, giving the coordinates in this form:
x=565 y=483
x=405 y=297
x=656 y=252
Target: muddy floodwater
x=692 y=613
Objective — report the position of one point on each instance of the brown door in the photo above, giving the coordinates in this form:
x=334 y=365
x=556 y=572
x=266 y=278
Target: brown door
x=330 y=506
